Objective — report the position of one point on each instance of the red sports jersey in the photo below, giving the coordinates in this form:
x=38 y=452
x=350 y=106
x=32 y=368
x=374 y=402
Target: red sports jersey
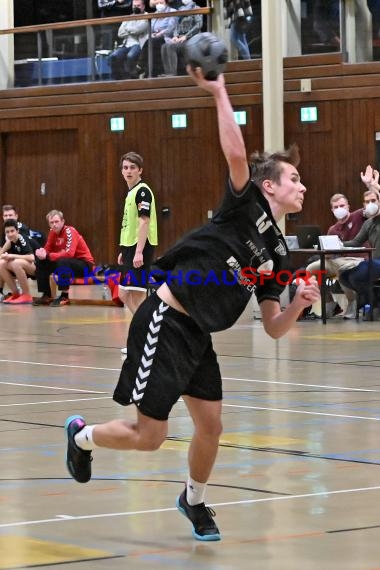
x=68 y=243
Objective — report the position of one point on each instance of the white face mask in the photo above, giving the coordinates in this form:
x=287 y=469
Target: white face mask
x=340 y=212
x=187 y=2
x=160 y=7
x=371 y=209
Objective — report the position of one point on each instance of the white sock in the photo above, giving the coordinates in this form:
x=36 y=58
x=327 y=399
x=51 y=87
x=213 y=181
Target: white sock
x=83 y=438
x=195 y=492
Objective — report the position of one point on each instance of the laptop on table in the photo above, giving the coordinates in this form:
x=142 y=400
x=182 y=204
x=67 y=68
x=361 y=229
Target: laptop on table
x=308 y=236
x=291 y=242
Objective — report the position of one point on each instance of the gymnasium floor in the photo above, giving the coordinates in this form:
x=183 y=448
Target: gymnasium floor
x=297 y=480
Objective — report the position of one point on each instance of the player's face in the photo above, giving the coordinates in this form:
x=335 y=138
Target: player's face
x=371 y=198
x=138 y=4
x=10 y=215
x=56 y=224
x=290 y=192
x=11 y=234
x=131 y=173
x=341 y=203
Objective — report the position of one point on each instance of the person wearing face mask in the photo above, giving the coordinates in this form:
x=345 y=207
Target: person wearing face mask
x=186 y=28
x=358 y=277
x=161 y=29
x=134 y=34
x=346 y=227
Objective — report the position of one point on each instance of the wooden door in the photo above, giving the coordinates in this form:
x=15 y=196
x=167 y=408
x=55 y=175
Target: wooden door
x=41 y=174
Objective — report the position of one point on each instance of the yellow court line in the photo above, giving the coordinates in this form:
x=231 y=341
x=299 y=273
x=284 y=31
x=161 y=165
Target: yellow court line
x=347 y=337
x=241 y=438
x=22 y=551
x=258 y=440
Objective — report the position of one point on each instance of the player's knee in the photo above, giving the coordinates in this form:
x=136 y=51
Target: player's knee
x=153 y=439
x=151 y=443
x=212 y=428
x=217 y=428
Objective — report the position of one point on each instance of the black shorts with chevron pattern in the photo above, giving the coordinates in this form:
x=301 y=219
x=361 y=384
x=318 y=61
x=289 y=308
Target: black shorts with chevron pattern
x=168 y=356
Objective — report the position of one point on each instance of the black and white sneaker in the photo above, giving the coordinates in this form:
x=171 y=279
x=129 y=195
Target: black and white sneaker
x=201 y=517
x=78 y=461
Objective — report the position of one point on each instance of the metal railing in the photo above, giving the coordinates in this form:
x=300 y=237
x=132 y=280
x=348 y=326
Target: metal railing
x=81 y=45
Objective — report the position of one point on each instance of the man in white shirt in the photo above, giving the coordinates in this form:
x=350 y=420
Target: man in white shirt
x=134 y=34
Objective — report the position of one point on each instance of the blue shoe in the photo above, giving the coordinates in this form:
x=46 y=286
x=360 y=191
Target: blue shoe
x=78 y=461
x=201 y=517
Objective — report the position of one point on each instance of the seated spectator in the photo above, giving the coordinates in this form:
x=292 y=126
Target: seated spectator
x=36 y=238
x=346 y=227
x=106 y=33
x=16 y=262
x=10 y=213
x=134 y=34
x=161 y=29
x=186 y=28
x=66 y=255
x=358 y=277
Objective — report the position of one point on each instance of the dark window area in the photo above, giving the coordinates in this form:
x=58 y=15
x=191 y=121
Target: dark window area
x=31 y=12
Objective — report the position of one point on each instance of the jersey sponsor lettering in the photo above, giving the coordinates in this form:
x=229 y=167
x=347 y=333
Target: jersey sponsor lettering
x=240 y=275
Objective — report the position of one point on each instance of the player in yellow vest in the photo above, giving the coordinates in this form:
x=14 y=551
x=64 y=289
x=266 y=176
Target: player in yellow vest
x=138 y=236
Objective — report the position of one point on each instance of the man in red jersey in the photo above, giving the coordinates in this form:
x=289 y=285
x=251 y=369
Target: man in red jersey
x=65 y=255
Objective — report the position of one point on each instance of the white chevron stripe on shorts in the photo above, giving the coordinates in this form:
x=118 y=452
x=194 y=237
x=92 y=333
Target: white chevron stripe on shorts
x=148 y=354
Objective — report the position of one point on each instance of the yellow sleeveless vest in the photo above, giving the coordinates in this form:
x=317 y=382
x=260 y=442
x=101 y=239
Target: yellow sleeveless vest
x=129 y=226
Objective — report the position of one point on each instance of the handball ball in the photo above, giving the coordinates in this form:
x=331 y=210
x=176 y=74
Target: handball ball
x=207 y=52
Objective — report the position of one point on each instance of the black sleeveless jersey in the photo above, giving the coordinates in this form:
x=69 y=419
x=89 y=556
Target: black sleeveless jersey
x=214 y=270
x=21 y=247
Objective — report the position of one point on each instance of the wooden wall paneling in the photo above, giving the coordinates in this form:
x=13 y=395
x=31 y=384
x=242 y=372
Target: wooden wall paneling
x=369 y=111
x=151 y=131
x=114 y=187
x=319 y=180
x=3 y=163
x=142 y=134
x=349 y=177
x=88 y=194
x=312 y=60
x=56 y=122
x=376 y=117
x=185 y=158
x=333 y=150
x=214 y=167
x=369 y=124
x=341 y=179
x=34 y=158
x=313 y=140
x=111 y=216
x=362 y=153
x=253 y=131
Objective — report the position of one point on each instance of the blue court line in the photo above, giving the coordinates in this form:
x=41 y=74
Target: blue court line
x=300 y=404
x=61 y=378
